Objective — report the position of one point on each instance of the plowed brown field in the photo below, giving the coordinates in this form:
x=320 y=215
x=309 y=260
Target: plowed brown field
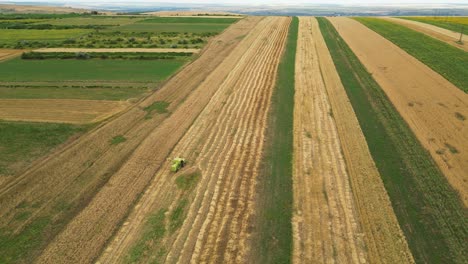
x=59 y=110
x=434 y=108
x=119 y=172
x=384 y=239
x=224 y=145
x=442 y=34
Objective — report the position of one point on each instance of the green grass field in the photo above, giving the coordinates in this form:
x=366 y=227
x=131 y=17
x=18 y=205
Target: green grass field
x=22 y=142
x=8 y=36
x=429 y=211
x=180 y=24
x=451 y=23
x=94 y=20
x=168 y=27
x=273 y=242
x=189 y=20
x=448 y=61
x=18 y=70
x=116 y=94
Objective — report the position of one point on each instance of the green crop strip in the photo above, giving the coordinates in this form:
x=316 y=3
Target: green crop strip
x=429 y=211
x=273 y=240
x=453 y=23
x=448 y=61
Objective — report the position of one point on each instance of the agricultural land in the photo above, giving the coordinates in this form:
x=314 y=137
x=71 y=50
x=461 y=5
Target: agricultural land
x=305 y=139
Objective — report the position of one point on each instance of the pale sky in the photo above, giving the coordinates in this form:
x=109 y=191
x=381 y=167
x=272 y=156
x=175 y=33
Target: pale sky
x=256 y=2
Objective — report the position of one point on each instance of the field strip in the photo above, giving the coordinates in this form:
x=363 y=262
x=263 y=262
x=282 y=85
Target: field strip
x=59 y=110
x=74 y=175
x=224 y=144
x=118 y=50
x=325 y=218
x=84 y=237
x=6 y=54
x=384 y=239
x=439 y=33
x=434 y=108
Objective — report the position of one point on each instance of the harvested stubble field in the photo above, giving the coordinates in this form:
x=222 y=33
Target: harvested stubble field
x=431 y=105
x=59 y=110
x=337 y=216
x=216 y=217
x=6 y=54
x=453 y=23
x=442 y=34
x=68 y=192
x=444 y=59
x=248 y=99
x=429 y=211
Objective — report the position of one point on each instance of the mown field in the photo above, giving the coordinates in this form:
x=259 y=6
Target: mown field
x=429 y=211
x=451 y=23
x=448 y=61
x=102 y=76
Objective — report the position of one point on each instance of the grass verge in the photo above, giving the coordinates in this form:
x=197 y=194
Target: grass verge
x=429 y=211
x=272 y=240
x=448 y=61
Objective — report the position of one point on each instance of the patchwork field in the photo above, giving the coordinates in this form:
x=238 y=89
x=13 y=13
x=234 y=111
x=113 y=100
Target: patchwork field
x=452 y=23
x=59 y=110
x=88 y=164
x=304 y=140
x=448 y=36
x=429 y=210
x=19 y=71
x=446 y=60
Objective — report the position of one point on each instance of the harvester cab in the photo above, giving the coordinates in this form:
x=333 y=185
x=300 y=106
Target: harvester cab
x=177 y=164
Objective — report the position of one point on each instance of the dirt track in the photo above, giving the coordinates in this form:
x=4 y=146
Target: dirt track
x=433 y=107
x=73 y=176
x=384 y=239
x=442 y=34
x=59 y=110
x=142 y=50
x=224 y=144
x=325 y=223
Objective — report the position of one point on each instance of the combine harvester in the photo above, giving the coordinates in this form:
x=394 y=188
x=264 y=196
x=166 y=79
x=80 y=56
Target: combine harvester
x=177 y=164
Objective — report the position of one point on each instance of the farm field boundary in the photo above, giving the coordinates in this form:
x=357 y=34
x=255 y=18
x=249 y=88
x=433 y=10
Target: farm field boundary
x=441 y=34
x=66 y=183
x=454 y=23
x=441 y=57
x=384 y=239
x=429 y=211
x=59 y=110
x=432 y=106
x=6 y=54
